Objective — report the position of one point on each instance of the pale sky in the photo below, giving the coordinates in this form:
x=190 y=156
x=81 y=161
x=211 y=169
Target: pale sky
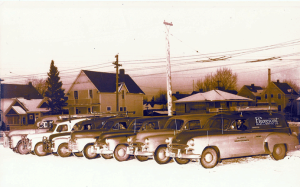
x=81 y=35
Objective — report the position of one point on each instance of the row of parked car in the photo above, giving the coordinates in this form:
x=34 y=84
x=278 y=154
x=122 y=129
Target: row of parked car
x=209 y=138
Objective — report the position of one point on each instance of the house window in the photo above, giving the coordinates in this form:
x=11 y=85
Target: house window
x=124 y=109
x=123 y=94
x=108 y=108
x=91 y=94
x=271 y=95
x=121 y=109
x=75 y=94
x=279 y=108
x=266 y=96
x=279 y=96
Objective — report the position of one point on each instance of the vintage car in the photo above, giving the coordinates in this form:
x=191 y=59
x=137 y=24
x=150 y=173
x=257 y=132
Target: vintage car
x=115 y=142
x=13 y=138
x=234 y=135
x=152 y=143
x=34 y=142
x=58 y=143
x=84 y=141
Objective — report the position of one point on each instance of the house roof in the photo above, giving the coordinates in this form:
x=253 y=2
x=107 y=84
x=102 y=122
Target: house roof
x=213 y=95
x=106 y=82
x=18 y=110
x=6 y=103
x=180 y=96
x=286 y=88
x=19 y=90
x=253 y=88
x=32 y=105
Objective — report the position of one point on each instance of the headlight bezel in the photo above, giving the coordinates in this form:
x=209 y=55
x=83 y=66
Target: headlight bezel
x=191 y=143
x=147 y=141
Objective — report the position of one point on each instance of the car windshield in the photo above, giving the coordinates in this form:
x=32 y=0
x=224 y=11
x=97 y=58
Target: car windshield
x=52 y=128
x=175 y=124
x=108 y=125
x=136 y=126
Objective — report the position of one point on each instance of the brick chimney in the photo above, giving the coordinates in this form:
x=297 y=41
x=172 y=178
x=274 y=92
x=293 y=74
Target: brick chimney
x=122 y=75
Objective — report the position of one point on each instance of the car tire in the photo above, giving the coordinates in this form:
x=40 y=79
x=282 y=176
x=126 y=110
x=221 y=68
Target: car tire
x=39 y=150
x=21 y=149
x=160 y=155
x=63 y=150
x=279 y=152
x=107 y=156
x=209 y=158
x=120 y=153
x=142 y=158
x=88 y=153
x=78 y=154
x=182 y=160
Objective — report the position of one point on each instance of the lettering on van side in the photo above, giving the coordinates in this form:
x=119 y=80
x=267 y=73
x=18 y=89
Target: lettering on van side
x=270 y=121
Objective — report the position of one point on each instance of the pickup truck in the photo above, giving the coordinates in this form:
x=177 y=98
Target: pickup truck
x=34 y=142
x=152 y=143
x=234 y=135
x=58 y=142
x=83 y=141
x=115 y=142
x=13 y=138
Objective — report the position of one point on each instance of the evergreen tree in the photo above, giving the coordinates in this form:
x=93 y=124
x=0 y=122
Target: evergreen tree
x=54 y=93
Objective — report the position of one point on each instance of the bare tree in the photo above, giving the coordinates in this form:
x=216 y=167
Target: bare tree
x=39 y=84
x=223 y=78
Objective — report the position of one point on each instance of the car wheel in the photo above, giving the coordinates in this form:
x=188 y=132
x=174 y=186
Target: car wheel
x=63 y=150
x=209 y=158
x=182 y=160
x=39 y=150
x=141 y=158
x=107 y=156
x=120 y=153
x=279 y=152
x=89 y=152
x=160 y=155
x=78 y=154
x=22 y=149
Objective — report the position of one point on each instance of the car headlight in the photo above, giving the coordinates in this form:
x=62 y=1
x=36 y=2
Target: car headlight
x=106 y=141
x=129 y=139
x=168 y=140
x=147 y=141
x=191 y=143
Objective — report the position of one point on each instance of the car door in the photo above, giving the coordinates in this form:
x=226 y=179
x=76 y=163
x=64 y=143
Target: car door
x=240 y=141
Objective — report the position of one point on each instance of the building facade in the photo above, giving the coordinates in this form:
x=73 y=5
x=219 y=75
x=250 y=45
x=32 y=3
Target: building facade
x=95 y=92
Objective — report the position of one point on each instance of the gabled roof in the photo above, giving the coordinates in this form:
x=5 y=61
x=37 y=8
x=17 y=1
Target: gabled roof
x=213 y=95
x=180 y=96
x=19 y=90
x=285 y=88
x=18 y=110
x=253 y=88
x=33 y=105
x=106 y=82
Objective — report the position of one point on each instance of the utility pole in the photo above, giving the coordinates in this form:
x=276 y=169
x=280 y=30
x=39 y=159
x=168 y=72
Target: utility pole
x=116 y=63
x=169 y=86
x=0 y=105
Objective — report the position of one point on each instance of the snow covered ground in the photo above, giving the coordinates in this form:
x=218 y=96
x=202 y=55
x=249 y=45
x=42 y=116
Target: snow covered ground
x=33 y=171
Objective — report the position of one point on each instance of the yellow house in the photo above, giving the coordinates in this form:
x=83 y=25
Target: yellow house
x=95 y=92
x=281 y=94
x=251 y=91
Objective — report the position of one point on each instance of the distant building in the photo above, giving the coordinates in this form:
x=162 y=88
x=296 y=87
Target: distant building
x=95 y=92
x=281 y=95
x=21 y=104
x=252 y=92
x=211 y=101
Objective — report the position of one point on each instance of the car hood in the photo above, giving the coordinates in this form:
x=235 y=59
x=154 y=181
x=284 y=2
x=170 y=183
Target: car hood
x=26 y=131
x=39 y=135
x=86 y=134
x=52 y=136
x=141 y=136
x=113 y=134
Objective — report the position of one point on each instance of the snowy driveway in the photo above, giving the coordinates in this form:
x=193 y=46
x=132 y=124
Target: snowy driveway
x=29 y=170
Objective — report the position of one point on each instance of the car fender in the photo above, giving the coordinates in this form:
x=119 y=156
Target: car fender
x=156 y=141
x=113 y=142
x=281 y=138
x=15 y=140
x=82 y=142
x=200 y=144
x=58 y=141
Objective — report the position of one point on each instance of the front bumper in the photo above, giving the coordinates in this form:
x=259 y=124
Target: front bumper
x=139 y=150
x=181 y=152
